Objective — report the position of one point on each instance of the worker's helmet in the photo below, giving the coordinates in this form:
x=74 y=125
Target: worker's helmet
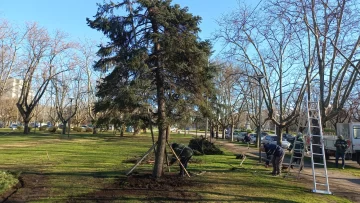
x=341 y=137
x=299 y=135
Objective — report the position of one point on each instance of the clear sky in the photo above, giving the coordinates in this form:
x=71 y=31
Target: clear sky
x=70 y=15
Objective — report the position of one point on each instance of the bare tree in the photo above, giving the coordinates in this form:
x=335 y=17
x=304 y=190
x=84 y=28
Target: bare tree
x=10 y=41
x=39 y=61
x=328 y=38
x=263 y=43
x=67 y=91
x=87 y=57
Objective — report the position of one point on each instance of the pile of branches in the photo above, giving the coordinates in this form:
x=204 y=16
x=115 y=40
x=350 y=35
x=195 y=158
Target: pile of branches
x=203 y=146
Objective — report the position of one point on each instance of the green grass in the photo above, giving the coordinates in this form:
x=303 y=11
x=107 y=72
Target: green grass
x=7 y=180
x=86 y=163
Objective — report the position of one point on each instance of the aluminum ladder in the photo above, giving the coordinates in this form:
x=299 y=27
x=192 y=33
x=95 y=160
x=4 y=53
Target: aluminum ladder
x=318 y=161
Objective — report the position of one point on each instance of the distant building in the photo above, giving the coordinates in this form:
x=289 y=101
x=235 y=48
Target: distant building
x=12 y=89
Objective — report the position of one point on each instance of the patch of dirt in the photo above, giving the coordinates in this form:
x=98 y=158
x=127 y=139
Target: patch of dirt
x=33 y=187
x=170 y=187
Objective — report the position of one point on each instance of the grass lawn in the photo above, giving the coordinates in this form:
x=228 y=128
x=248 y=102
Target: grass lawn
x=91 y=168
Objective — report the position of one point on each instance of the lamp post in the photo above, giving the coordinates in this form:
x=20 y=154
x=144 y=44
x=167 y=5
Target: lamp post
x=259 y=77
x=70 y=115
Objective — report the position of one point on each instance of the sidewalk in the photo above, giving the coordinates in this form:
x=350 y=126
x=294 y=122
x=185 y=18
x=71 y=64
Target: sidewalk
x=341 y=184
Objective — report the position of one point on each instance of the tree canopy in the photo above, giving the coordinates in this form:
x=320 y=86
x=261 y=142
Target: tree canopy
x=156 y=60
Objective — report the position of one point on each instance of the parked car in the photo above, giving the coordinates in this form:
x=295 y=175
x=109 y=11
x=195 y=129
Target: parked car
x=228 y=135
x=288 y=137
x=241 y=136
x=253 y=137
x=173 y=129
x=272 y=139
x=13 y=126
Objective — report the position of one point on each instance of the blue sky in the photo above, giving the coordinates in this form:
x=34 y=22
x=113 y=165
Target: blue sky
x=69 y=15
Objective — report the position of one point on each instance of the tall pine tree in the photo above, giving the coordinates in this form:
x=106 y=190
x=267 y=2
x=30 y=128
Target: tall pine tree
x=156 y=59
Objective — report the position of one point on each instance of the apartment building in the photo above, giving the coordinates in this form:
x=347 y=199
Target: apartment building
x=12 y=89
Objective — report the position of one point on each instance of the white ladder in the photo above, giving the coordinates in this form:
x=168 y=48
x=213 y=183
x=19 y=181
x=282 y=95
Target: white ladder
x=314 y=130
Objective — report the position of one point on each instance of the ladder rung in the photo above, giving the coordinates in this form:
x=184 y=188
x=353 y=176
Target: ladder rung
x=317 y=154
x=316 y=118
x=320 y=174
x=313 y=126
x=313 y=102
x=297 y=157
x=317 y=144
x=316 y=135
x=319 y=164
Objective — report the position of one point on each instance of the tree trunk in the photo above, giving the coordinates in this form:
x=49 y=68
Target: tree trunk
x=122 y=130
x=279 y=135
x=64 y=127
x=232 y=132
x=26 y=126
x=160 y=152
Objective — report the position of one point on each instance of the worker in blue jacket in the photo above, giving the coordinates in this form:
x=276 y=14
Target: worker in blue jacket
x=277 y=154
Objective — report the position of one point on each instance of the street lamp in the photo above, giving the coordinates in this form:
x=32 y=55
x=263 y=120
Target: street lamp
x=70 y=115
x=259 y=77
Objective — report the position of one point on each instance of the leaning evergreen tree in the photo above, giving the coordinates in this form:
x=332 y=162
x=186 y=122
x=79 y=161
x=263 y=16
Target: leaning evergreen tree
x=156 y=58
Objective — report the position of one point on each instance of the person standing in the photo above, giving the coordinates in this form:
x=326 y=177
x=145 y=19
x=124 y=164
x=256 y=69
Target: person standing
x=341 y=146
x=184 y=154
x=298 y=148
x=247 y=140
x=277 y=157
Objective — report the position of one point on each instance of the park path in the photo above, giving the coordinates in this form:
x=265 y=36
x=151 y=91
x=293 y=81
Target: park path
x=341 y=184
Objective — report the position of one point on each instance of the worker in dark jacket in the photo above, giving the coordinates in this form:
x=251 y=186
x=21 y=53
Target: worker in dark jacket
x=277 y=157
x=184 y=154
x=298 y=148
x=247 y=139
x=341 y=146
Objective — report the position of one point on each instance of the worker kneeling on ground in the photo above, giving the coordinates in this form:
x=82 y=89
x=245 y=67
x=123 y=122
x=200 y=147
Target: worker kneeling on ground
x=184 y=153
x=277 y=157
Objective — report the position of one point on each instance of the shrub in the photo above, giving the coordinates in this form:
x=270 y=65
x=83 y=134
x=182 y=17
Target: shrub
x=77 y=129
x=42 y=128
x=89 y=130
x=20 y=128
x=203 y=146
x=52 y=129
